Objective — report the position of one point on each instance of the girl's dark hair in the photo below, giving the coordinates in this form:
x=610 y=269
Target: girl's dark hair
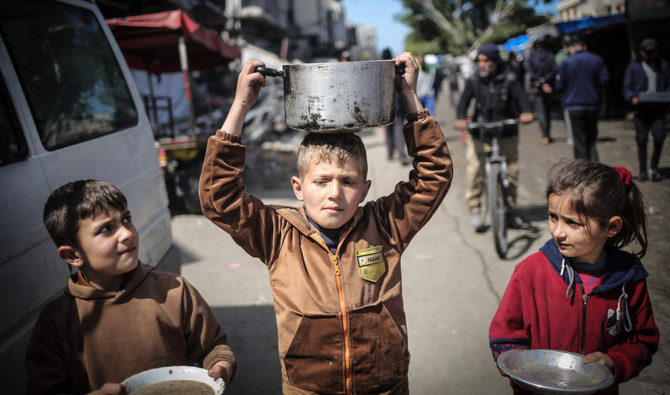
x=595 y=190
x=78 y=200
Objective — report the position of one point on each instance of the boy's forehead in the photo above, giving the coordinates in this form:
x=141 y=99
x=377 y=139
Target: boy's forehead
x=106 y=212
x=350 y=165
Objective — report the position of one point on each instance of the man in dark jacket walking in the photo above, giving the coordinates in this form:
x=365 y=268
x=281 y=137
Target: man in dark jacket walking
x=498 y=95
x=647 y=74
x=581 y=78
x=542 y=70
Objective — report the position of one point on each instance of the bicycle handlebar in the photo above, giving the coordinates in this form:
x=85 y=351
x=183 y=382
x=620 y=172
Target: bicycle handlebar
x=492 y=125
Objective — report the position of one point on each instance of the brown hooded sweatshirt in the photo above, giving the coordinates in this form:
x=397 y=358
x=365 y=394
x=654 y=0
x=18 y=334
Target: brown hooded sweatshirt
x=88 y=337
x=340 y=318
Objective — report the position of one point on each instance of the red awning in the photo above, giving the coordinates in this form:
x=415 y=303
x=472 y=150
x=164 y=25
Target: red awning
x=150 y=41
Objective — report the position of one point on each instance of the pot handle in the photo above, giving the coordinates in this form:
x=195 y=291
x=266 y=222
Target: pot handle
x=268 y=72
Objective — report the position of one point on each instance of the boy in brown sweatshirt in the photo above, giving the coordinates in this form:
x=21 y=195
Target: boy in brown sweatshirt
x=116 y=317
x=334 y=265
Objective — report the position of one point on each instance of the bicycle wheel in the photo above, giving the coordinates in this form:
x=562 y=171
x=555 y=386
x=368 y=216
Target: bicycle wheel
x=484 y=207
x=498 y=208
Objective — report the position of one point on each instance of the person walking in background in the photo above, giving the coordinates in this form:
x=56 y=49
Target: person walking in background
x=453 y=70
x=425 y=87
x=649 y=73
x=439 y=69
x=581 y=78
x=542 y=70
x=395 y=141
x=564 y=52
x=561 y=55
x=498 y=96
x=517 y=64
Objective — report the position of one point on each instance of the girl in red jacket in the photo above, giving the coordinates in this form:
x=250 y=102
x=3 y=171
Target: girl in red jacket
x=582 y=293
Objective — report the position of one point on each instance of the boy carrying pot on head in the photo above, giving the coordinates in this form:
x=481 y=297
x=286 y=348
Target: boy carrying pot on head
x=334 y=265
x=116 y=318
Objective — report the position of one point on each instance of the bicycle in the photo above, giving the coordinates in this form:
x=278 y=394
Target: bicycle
x=494 y=198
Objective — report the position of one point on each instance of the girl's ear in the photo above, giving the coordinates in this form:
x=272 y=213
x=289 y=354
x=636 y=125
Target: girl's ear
x=70 y=255
x=296 y=183
x=614 y=226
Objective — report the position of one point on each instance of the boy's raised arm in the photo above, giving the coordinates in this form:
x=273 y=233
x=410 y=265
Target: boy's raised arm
x=249 y=84
x=405 y=83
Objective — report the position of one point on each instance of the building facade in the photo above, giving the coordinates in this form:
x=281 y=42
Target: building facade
x=576 y=9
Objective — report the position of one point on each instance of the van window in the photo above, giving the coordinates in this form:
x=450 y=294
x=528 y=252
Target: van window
x=12 y=144
x=70 y=77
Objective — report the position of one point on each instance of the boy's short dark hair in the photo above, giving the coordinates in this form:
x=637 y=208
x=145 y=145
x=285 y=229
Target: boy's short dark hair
x=331 y=147
x=78 y=200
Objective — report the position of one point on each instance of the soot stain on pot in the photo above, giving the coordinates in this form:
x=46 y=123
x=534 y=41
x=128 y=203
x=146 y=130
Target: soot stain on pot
x=358 y=114
x=313 y=120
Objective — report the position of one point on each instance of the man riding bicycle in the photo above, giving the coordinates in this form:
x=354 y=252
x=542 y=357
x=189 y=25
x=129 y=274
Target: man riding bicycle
x=498 y=95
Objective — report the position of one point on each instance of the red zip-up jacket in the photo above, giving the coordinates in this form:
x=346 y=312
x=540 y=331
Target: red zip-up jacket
x=543 y=309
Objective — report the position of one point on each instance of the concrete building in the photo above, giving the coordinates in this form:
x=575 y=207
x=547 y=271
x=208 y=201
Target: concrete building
x=366 y=43
x=576 y=9
x=320 y=28
x=293 y=29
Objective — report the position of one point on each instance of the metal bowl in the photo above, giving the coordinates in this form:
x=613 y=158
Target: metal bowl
x=554 y=372
x=170 y=373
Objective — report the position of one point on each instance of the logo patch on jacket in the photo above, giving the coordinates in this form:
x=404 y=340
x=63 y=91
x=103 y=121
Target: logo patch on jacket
x=371 y=264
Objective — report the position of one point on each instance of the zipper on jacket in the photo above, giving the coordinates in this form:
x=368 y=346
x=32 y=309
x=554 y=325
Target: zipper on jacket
x=343 y=307
x=585 y=298
x=345 y=324
x=345 y=317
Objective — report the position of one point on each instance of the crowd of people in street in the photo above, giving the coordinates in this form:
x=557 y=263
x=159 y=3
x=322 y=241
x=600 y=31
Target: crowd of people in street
x=572 y=76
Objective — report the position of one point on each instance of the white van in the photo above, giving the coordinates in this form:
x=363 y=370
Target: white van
x=69 y=110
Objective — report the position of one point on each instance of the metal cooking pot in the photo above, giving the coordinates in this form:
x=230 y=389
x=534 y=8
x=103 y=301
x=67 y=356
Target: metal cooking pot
x=337 y=97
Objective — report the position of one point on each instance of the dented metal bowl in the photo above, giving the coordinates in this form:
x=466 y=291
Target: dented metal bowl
x=554 y=372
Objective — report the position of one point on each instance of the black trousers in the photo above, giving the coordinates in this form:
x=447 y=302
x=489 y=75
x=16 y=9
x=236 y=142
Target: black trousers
x=646 y=121
x=395 y=139
x=542 y=107
x=584 y=133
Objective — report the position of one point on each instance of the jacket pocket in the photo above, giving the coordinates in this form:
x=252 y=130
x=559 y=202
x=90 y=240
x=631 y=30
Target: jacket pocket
x=379 y=353
x=315 y=358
